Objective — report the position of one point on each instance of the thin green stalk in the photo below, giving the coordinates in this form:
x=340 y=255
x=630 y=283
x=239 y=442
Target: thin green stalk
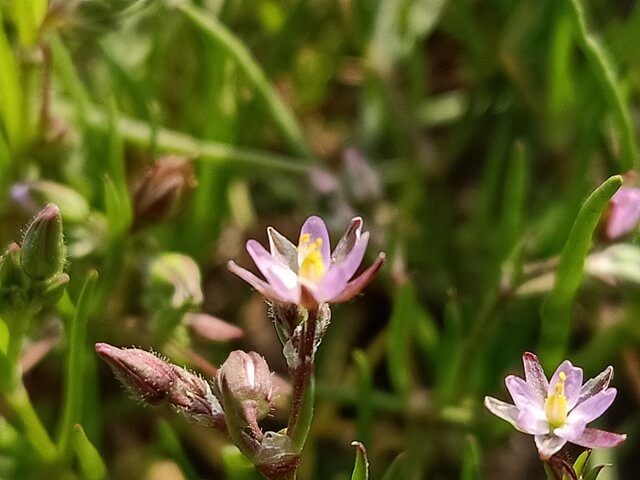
x=74 y=391
x=35 y=432
x=222 y=37
x=604 y=72
x=556 y=313
x=141 y=133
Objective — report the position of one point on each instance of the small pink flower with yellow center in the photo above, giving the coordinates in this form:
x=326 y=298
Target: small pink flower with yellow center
x=557 y=411
x=308 y=274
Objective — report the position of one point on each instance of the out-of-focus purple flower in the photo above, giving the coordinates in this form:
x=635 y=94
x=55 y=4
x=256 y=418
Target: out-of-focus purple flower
x=309 y=274
x=624 y=212
x=557 y=411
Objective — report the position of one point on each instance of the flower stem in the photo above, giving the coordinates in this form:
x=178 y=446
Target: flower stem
x=35 y=432
x=303 y=394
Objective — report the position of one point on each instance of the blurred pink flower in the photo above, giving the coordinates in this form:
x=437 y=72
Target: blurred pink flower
x=624 y=212
x=309 y=274
x=558 y=411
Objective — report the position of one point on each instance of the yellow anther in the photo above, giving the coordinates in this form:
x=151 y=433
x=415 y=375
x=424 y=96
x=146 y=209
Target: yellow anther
x=310 y=260
x=555 y=406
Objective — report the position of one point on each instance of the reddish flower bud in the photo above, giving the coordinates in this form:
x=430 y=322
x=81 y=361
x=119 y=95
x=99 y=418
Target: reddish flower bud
x=142 y=373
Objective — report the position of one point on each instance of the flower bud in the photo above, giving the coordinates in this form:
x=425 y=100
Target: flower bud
x=142 y=373
x=174 y=281
x=43 y=250
x=247 y=380
x=13 y=281
x=191 y=395
x=161 y=191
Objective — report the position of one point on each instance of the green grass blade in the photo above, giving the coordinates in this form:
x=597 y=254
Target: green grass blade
x=11 y=92
x=361 y=466
x=472 y=460
x=91 y=464
x=365 y=420
x=604 y=72
x=222 y=37
x=74 y=389
x=556 y=313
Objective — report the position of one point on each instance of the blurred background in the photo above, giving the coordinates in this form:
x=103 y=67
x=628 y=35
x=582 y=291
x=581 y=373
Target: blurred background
x=466 y=133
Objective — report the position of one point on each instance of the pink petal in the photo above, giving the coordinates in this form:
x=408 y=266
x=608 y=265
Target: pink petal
x=348 y=240
x=523 y=395
x=316 y=228
x=356 y=285
x=548 y=445
x=532 y=421
x=212 y=328
x=282 y=248
x=260 y=285
x=275 y=271
x=340 y=273
x=503 y=410
x=572 y=384
x=596 y=384
x=593 y=438
x=624 y=212
x=571 y=430
x=535 y=376
x=595 y=406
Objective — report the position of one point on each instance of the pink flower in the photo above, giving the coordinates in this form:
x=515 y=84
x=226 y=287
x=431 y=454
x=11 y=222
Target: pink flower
x=309 y=274
x=624 y=212
x=558 y=411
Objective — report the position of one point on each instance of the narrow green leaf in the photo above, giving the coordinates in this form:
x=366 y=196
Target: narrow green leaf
x=28 y=15
x=513 y=200
x=399 y=338
x=396 y=469
x=472 y=460
x=556 y=312
x=11 y=92
x=361 y=466
x=69 y=79
x=91 y=464
x=172 y=445
x=598 y=59
x=581 y=462
x=365 y=392
x=117 y=209
x=74 y=384
x=595 y=472
x=222 y=37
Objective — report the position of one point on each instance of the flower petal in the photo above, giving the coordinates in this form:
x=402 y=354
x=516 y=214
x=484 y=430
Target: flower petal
x=571 y=430
x=356 y=285
x=548 y=445
x=523 y=395
x=572 y=384
x=275 y=271
x=503 y=410
x=532 y=420
x=534 y=374
x=315 y=227
x=595 y=406
x=596 y=384
x=348 y=241
x=624 y=212
x=282 y=248
x=339 y=274
x=260 y=285
x=593 y=438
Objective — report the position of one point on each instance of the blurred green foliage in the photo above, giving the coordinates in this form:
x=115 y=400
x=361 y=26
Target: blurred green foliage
x=479 y=130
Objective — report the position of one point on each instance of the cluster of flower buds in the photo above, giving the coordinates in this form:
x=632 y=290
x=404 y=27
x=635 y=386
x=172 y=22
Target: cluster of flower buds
x=154 y=380
x=31 y=275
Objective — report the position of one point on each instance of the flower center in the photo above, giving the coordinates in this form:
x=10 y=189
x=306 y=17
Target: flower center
x=310 y=259
x=555 y=406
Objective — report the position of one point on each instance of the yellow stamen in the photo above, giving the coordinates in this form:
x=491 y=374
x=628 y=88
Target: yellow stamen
x=555 y=406
x=310 y=259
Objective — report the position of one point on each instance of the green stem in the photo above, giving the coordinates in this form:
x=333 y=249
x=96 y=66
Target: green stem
x=143 y=134
x=223 y=38
x=35 y=432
